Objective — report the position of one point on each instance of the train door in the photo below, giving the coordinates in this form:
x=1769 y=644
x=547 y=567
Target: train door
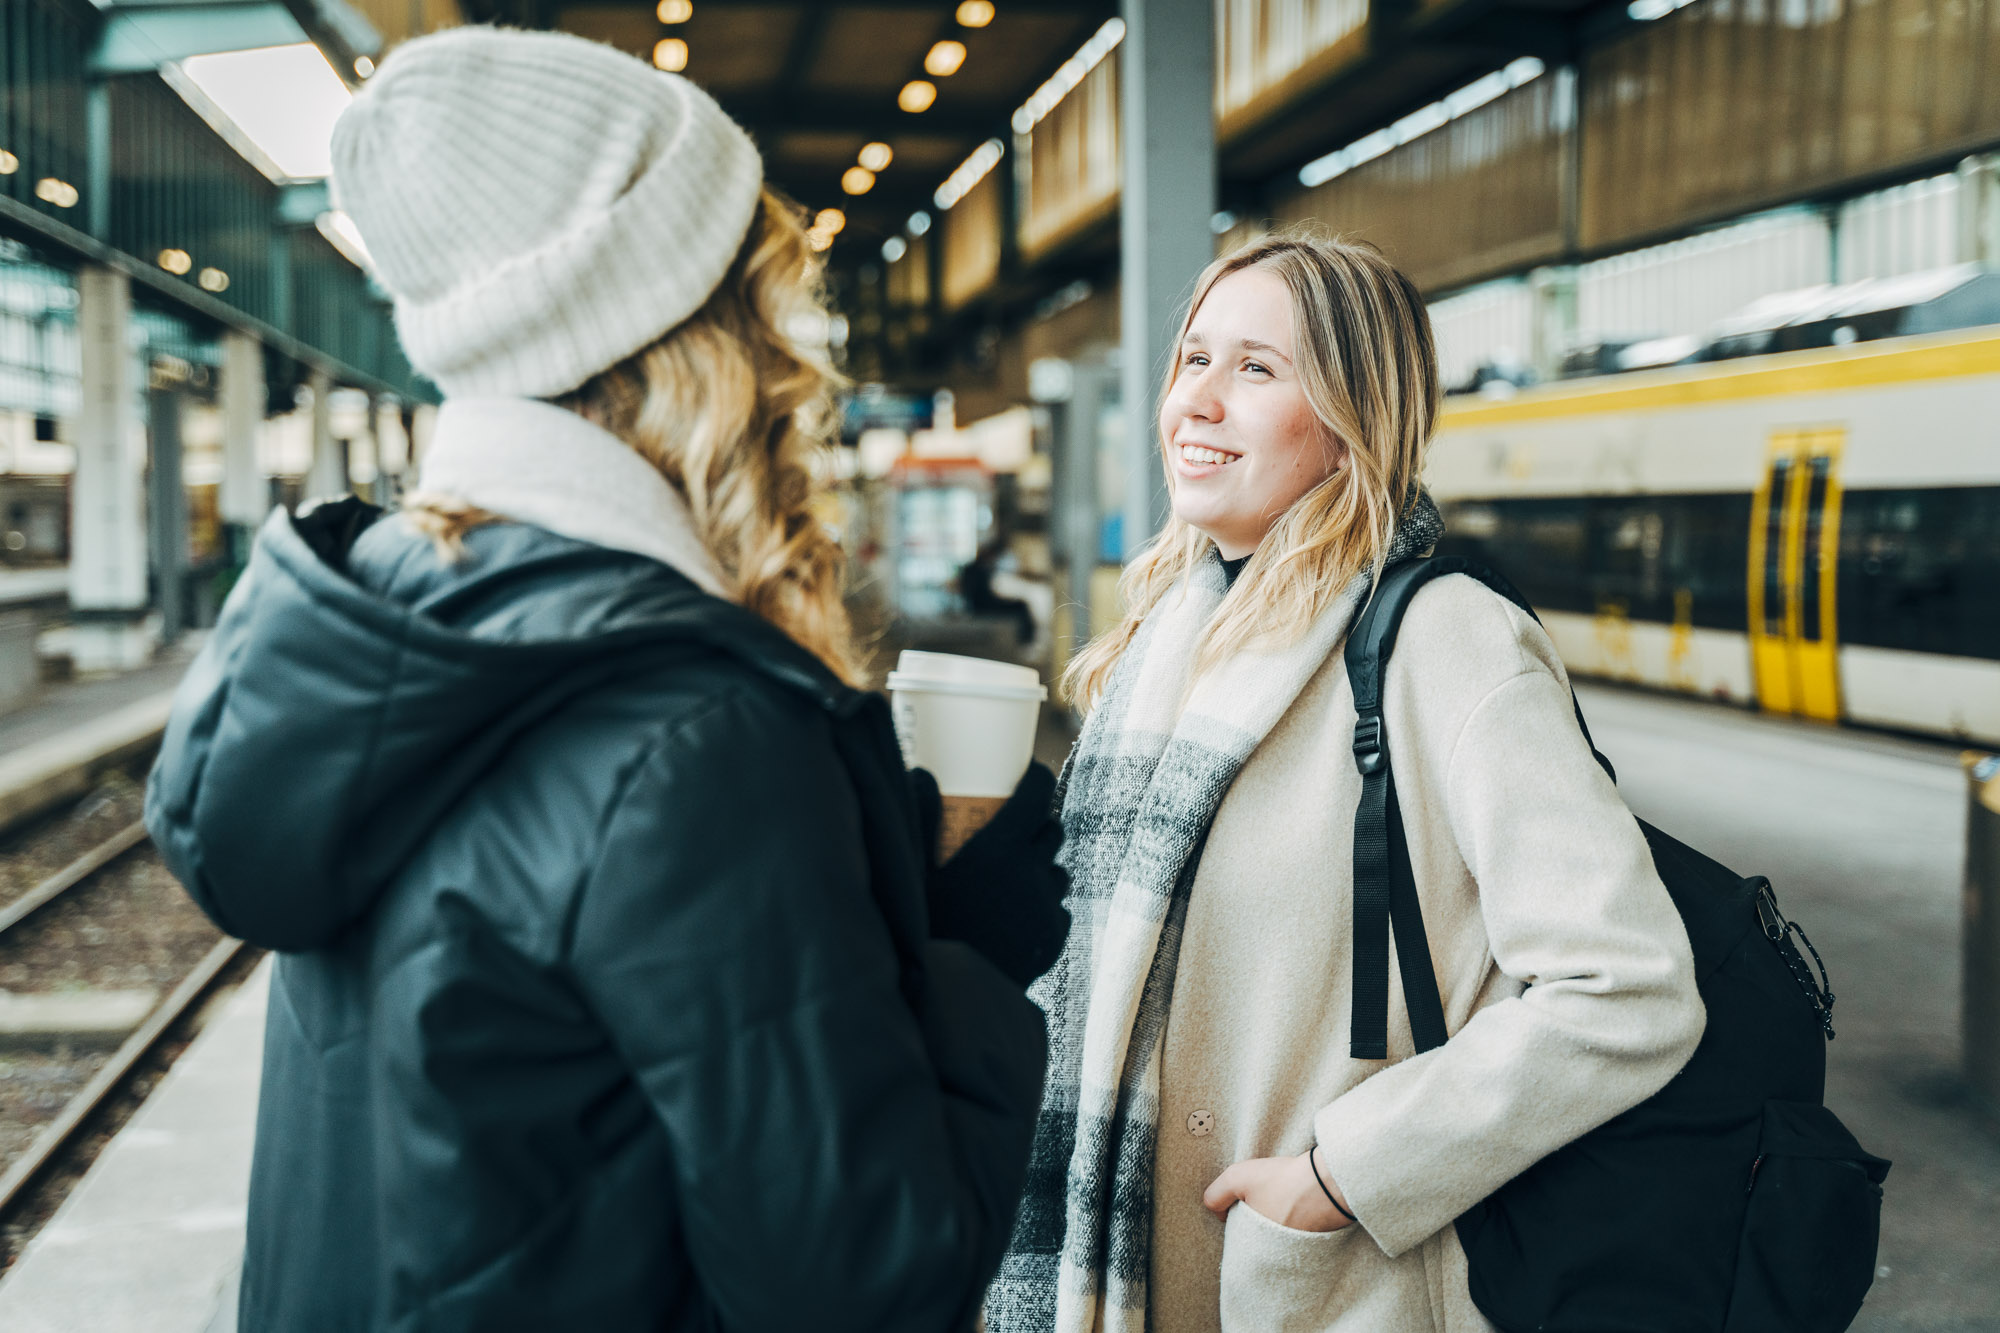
x=1794 y=543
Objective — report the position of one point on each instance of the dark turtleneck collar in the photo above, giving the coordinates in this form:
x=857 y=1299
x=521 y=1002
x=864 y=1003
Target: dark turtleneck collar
x=1232 y=568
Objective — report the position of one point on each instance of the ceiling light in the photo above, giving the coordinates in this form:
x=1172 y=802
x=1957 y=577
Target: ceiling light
x=175 y=261
x=213 y=280
x=970 y=172
x=9 y=164
x=364 y=68
x=916 y=96
x=58 y=192
x=283 y=98
x=920 y=222
x=1423 y=120
x=944 y=59
x=894 y=248
x=830 y=221
x=675 y=11
x=818 y=240
x=975 y=13
x=670 y=54
x=857 y=180
x=1087 y=58
x=876 y=156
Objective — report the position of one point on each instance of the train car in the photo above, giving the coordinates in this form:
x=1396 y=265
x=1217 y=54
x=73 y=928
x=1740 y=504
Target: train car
x=1814 y=533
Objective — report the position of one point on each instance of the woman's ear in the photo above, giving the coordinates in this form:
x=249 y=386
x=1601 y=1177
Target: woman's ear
x=1337 y=448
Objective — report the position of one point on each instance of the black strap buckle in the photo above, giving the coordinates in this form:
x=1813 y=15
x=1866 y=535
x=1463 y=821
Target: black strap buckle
x=1368 y=752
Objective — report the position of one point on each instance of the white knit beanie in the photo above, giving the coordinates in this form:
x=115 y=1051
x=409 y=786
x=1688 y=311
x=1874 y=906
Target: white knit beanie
x=540 y=206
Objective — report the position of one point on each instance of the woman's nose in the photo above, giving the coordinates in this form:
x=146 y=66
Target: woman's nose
x=1196 y=394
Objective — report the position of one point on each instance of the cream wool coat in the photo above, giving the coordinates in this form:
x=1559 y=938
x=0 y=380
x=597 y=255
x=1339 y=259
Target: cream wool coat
x=1531 y=872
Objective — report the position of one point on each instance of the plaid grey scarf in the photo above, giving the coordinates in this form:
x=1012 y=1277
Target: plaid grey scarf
x=1137 y=798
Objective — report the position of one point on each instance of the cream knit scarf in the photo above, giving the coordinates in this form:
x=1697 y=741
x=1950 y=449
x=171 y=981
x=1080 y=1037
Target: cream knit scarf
x=1137 y=798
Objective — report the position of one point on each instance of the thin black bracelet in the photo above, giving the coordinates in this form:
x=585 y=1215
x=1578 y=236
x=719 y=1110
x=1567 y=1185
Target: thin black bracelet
x=1323 y=1185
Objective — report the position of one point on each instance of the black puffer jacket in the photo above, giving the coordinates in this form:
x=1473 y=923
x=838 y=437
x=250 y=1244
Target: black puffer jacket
x=607 y=1000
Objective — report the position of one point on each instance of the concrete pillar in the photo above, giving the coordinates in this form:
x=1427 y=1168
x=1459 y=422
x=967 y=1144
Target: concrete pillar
x=1555 y=327
x=327 y=478
x=1166 y=82
x=107 y=570
x=245 y=497
x=1979 y=211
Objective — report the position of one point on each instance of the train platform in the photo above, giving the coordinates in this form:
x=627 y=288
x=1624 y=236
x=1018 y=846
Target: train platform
x=1862 y=835
x=154 y=1231
x=51 y=749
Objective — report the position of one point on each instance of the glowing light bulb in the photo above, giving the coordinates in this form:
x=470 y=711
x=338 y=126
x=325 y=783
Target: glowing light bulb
x=944 y=59
x=975 y=13
x=876 y=156
x=670 y=54
x=857 y=180
x=917 y=95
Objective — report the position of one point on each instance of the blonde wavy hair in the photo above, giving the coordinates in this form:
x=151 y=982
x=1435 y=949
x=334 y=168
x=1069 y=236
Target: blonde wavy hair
x=733 y=413
x=1368 y=365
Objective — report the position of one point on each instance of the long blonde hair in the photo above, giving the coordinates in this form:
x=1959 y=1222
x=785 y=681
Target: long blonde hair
x=733 y=412
x=1368 y=366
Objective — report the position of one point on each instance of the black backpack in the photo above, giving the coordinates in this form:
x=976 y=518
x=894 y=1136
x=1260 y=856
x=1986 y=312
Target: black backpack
x=1731 y=1201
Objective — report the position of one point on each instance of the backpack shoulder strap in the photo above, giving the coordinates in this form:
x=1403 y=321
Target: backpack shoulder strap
x=1384 y=885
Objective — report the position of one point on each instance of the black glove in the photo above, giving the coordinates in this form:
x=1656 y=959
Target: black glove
x=1003 y=892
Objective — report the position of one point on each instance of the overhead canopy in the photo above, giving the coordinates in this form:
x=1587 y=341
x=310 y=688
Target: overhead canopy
x=818 y=82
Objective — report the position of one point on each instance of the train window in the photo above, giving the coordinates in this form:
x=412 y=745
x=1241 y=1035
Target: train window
x=1651 y=557
x=1920 y=570
x=1810 y=629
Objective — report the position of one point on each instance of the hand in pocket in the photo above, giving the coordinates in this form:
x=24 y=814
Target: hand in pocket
x=1283 y=1190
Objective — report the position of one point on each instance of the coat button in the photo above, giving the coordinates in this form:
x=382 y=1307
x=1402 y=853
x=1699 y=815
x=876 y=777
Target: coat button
x=1201 y=1124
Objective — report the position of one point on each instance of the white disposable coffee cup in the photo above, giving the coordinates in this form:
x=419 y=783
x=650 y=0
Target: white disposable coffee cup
x=969 y=721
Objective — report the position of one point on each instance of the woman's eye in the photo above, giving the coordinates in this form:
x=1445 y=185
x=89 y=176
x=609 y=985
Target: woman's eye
x=1253 y=365
x=1195 y=359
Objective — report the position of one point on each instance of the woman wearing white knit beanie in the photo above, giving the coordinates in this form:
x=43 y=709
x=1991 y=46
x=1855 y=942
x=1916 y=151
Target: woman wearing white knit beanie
x=616 y=989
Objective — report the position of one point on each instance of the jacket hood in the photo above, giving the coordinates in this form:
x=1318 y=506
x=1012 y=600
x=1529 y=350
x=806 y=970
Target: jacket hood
x=355 y=688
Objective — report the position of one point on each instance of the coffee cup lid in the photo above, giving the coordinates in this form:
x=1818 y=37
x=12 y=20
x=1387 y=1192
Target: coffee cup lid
x=951 y=668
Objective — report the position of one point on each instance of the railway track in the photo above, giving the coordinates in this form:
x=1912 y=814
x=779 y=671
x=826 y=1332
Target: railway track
x=50 y=1144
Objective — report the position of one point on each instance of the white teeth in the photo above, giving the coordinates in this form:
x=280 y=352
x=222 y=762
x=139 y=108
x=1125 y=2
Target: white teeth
x=1194 y=453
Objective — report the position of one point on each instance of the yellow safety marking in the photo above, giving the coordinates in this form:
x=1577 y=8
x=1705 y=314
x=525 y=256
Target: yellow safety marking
x=1816 y=370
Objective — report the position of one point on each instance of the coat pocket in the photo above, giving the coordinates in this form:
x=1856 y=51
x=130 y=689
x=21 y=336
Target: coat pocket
x=1807 y=1252
x=1276 y=1279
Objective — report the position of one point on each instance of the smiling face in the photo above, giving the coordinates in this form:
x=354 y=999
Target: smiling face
x=1243 y=442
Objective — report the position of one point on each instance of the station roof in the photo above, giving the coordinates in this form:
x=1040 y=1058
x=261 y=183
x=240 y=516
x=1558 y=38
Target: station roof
x=817 y=82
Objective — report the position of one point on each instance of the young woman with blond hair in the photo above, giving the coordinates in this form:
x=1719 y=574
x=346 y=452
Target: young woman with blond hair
x=616 y=989
x=1210 y=1155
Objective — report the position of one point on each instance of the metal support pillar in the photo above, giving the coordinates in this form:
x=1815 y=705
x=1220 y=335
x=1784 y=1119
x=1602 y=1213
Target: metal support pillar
x=167 y=512
x=1555 y=328
x=1979 y=211
x=1166 y=83
x=107 y=570
x=245 y=497
x=327 y=477
x=97 y=158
